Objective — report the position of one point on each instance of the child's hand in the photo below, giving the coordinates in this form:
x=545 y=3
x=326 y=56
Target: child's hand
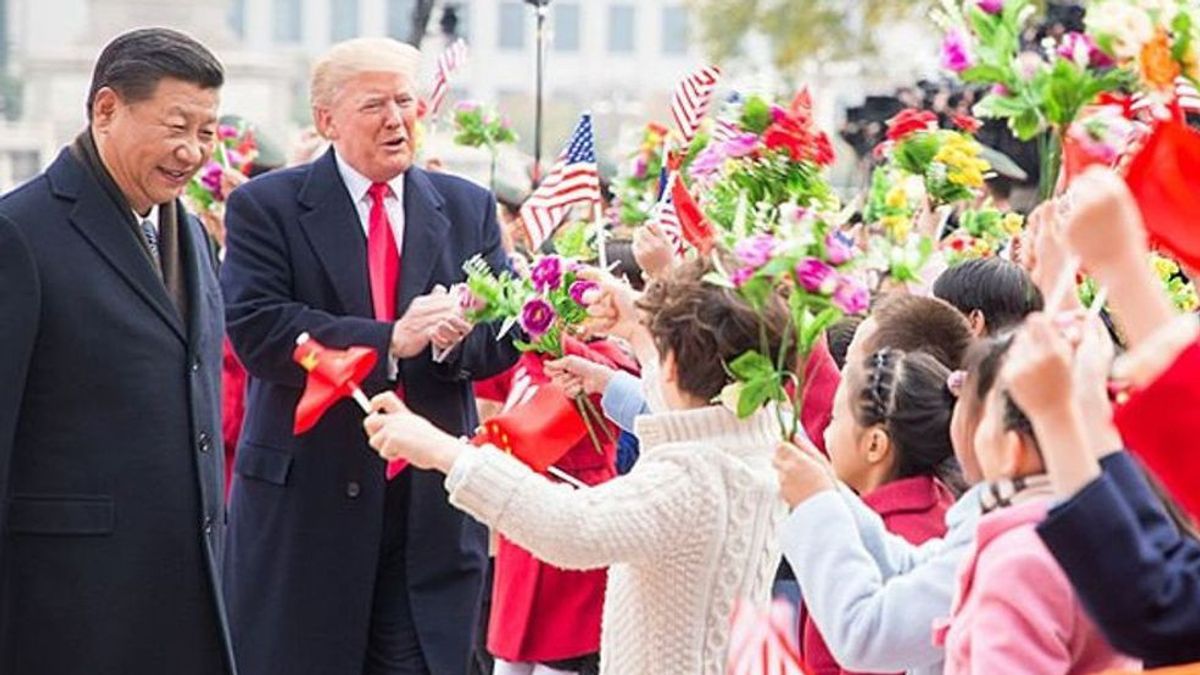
x=652 y=250
x=1104 y=226
x=803 y=472
x=576 y=375
x=1049 y=256
x=611 y=307
x=395 y=432
x=1038 y=370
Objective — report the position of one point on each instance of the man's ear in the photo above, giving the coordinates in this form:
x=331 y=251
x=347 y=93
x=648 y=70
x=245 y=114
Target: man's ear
x=105 y=105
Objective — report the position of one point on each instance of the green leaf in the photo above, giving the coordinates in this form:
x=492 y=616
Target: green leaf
x=751 y=366
x=718 y=280
x=756 y=115
x=753 y=396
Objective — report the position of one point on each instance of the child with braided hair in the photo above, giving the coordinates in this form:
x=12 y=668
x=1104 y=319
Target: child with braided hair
x=889 y=441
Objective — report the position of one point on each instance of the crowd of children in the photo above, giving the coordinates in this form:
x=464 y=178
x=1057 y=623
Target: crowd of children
x=978 y=501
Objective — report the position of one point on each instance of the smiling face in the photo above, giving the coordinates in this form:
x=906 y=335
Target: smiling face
x=153 y=147
x=371 y=121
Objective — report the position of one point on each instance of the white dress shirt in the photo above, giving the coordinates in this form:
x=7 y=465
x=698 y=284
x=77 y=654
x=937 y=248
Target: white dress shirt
x=152 y=217
x=359 y=187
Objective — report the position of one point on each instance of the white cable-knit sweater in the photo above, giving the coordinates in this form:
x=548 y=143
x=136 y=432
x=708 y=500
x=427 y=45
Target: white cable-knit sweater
x=687 y=532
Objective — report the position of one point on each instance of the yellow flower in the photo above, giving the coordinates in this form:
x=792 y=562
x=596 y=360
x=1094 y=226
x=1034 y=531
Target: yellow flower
x=896 y=198
x=897 y=227
x=1012 y=223
x=1165 y=268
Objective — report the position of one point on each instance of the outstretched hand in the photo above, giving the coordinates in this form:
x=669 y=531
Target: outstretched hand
x=395 y=432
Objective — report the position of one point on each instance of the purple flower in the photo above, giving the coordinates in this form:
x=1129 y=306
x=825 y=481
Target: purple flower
x=956 y=52
x=580 y=288
x=992 y=7
x=210 y=178
x=225 y=131
x=999 y=89
x=741 y=276
x=640 y=167
x=536 y=317
x=837 y=251
x=740 y=145
x=755 y=251
x=466 y=106
x=1082 y=49
x=547 y=273
x=816 y=276
x=851 y=295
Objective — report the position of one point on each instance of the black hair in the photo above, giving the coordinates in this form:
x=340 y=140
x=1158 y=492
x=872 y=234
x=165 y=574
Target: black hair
x=984 y=361
x=995 y=287
x=839 y=336
x=906 y=394
x=133 y=64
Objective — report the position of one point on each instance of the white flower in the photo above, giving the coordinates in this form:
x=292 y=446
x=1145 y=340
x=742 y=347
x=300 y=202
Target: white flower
x=1128 y=27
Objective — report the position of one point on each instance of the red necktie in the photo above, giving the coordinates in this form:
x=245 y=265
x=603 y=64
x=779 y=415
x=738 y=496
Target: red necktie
x=383 y=266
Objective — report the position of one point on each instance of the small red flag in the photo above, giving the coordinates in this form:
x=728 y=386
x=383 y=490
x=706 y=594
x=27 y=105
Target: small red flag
x=333 y=374
x=538 y=431
x=1162 y=178
x=696 y=229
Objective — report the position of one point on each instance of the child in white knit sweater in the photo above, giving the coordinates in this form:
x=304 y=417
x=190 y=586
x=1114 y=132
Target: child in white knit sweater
x=688 y=531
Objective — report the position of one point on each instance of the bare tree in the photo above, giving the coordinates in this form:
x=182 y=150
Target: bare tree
x=422 y=13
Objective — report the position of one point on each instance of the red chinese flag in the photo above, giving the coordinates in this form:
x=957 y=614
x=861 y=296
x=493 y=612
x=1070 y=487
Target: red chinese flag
x=333 y=374
x=696 y=229
x=539 y=431
x=1163 y=180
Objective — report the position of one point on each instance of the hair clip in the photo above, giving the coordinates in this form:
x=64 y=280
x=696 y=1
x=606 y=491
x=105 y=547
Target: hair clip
x=955 y=382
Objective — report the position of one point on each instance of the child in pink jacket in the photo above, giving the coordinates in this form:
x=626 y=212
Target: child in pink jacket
x=1015 y=610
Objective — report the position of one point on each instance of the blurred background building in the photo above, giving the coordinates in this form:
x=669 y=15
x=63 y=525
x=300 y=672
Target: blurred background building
x=617 y=58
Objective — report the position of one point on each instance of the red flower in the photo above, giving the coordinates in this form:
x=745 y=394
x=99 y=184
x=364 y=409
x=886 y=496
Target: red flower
x=793 y=130
x=910 y=121
x=966 y=122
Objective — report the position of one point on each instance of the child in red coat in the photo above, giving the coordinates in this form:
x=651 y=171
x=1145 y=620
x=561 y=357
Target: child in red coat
x=889 y=440
x=545 y=619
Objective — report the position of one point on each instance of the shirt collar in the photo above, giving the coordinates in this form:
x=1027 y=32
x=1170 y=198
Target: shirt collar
x=358 y=184
x=152 y=216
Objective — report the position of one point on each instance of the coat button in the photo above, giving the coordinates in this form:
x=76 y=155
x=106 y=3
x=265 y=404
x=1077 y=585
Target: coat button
x=205 y=442
x=196 y=364
x=208 y=525
x=353 y=489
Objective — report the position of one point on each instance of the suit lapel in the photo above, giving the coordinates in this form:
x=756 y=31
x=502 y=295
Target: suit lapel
x=98 y=221
x=331 y=224
x=193 y=243
x=425 y=230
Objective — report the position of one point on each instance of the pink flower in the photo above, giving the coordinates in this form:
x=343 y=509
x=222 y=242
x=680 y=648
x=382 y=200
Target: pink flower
x=210 y=178
x=466 y=106
x=851 y=295
x=999 y=89
x=741 y=276
x=740 y=145
x=546 y=273
x=755 y=251
x=708 y=162
x=640 y=167
x=992 y=7
x=1028 y=64
x=837 y=252
x=956 y=52
x=225 y=131
x=1082 y=49
x=816 y=276
x=580 y=289
x=536 y=317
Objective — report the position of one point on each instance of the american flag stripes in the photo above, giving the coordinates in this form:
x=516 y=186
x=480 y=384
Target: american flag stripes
x=450 y=60
x=725 y=130
x=666 y=218
x=1185 y=92
x=691 y=100
x=574 y=179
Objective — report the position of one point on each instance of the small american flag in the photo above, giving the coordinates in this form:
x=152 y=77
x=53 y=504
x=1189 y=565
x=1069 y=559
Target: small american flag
x=574 y=179
x=666 y=218
x=692 y=97
x=1185 y=92
x=451 y=60
x=725 y=130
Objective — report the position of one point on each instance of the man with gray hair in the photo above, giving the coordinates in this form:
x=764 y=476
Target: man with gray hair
x=337 y=563
x=111 y=466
